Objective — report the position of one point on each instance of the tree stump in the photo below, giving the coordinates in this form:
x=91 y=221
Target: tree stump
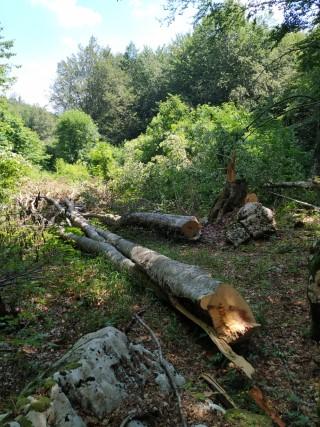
x=232 y=197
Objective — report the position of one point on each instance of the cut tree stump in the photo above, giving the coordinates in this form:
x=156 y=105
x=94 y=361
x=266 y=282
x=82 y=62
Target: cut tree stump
x=187 y=227
x=313 y=291
x=232 y=196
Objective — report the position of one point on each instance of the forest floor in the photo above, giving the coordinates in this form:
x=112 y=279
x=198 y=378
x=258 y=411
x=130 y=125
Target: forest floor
x=57 y=294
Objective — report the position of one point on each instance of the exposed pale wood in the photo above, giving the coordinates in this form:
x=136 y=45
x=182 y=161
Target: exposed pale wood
x=225 y=349
x=230 y=315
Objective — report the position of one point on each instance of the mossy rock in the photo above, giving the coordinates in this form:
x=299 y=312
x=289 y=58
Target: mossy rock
x=41 y=404
x=243 y=418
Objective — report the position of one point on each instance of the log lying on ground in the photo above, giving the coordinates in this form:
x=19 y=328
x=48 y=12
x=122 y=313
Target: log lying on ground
x=187 y=287
x=101 y=247
x=230 y=315
x=187 y=227
x=308 y=185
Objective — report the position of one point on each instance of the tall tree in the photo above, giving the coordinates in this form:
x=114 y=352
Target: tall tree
x=297 y=14
x=93 y=81
x=5 y=68
x=224 y=59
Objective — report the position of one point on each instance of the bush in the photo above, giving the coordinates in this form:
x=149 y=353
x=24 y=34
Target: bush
x=181 y=159
x=73 y=172
x=12 y=168
x=77 y=134
x=101 y=160
x=17 y=138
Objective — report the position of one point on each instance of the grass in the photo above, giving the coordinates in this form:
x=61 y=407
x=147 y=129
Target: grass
x=64 y=294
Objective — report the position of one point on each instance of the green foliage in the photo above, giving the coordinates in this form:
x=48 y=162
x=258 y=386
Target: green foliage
x=93 y=81
x=101 y=160
x=34 y=117
x=181 y=159
x=76 y=133
x=12 y=169
x=17 y=138
x=5 y=68
x=224 y=59
x=73 y=172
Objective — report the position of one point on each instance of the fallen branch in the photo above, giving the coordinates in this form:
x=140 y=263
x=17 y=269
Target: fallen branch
x=300 y=202
x=214 y=384
x=307 y=185
x=164 y=365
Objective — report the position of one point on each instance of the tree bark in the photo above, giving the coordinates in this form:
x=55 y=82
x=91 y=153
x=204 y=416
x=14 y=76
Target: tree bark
x=186 y=287
x=187 y=227
x=232 y=196
x=313 y=291
x=101 y=247
x=213 y=299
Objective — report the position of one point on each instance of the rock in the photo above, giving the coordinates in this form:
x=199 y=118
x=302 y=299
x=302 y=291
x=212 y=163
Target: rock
x=243 y=418
x=253 y=221
x=237 y=234
x=62 y=414
x=100 y=373
x=110 y=368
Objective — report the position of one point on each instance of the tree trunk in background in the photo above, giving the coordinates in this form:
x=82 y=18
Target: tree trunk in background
x=313 y=291
x=316 y=165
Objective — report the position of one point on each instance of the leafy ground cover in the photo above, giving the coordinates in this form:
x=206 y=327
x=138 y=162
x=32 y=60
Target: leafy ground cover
x=55 y=294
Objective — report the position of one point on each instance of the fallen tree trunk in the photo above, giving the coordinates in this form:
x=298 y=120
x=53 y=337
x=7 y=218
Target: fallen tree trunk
x=187 y=227
x=313 y=291
x=187 y=287
x=231 y=316
x=308 y=185
x=101 y=247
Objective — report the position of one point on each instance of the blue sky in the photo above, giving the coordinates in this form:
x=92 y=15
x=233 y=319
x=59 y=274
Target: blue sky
x=47 y=31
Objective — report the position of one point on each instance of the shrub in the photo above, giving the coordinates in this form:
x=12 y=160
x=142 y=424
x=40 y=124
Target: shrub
x=12 y=168
x=77 y=134
x=73 y=172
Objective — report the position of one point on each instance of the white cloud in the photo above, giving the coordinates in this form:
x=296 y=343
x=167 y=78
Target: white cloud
x=70 y=14
x=34 y=80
